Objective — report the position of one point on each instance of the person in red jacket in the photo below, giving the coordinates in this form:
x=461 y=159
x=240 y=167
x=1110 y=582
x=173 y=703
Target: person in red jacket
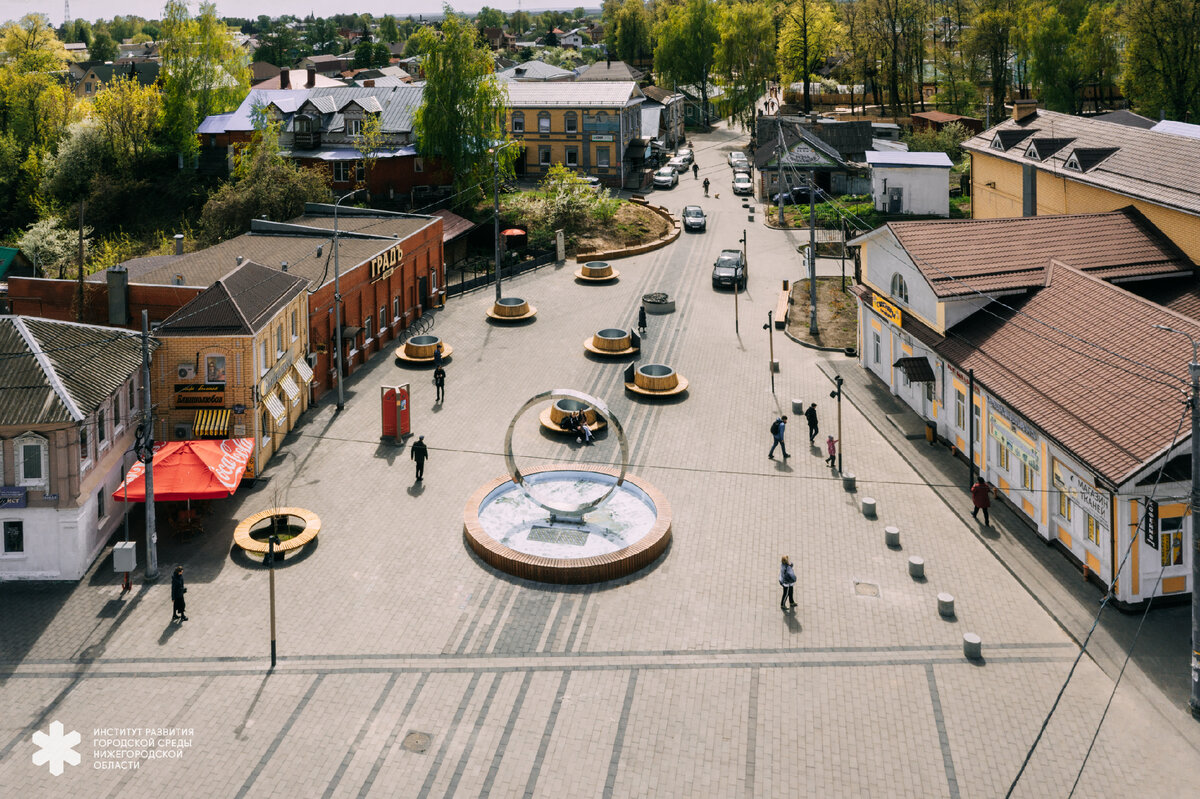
x=981 y=494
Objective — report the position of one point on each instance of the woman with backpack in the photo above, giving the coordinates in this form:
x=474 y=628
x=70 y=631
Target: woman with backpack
x=787 y=579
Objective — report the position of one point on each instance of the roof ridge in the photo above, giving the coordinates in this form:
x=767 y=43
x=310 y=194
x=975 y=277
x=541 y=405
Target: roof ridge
x=47 y=367
x=1058 y=263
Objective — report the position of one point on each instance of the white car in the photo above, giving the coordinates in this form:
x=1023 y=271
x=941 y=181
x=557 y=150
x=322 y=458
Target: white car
x=666 y=178
x=738 y=160
x=678 y=164
x=686 y=154
x=742 y=184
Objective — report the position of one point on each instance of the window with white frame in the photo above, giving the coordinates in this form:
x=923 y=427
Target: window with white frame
x=1094 y=531
x=571 y=122
x=875 y=343
x=295 y=324
x=1026 y=476
x=341 y=171
x=266 y=359
x=367 y=329
x=354 y=127
x=85 y=451
x=1170 y=541
x=1002 y=456
x=975 y=414
x=395 y=309
x=572 y=156
x=266 y=426
x=14 y=536
x=602 y=158
x=960 y=410
x=518 y=121
x=899 y=288
x=102 y=428
x=544 y=156
x=382 y=319
x=279 y=341
x=100 y=504
x=544 y=122
x=33 y=461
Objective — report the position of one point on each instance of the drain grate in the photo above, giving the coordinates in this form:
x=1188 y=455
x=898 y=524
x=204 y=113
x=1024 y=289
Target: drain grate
x=865 y=589
x=558 y=535
x=417 y=742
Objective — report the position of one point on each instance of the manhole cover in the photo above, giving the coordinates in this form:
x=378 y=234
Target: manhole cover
x=866 y=589
x=417 y=742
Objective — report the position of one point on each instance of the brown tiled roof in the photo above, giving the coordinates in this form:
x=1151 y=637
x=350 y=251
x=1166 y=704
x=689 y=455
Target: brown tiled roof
x=961 y=257
x=941 y=116
x=1115 y=408
x=239 y=303
x=1151 y=165
x=453 y=225
x=1181 y=295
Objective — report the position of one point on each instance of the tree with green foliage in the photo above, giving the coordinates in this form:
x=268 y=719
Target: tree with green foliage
x=811 y=33
x=632 y=34
x=463 y=108
x=563 y=201
x=280 y=45
x=686 y=49
x=322 y=36
x=990 y=40
x=1072 y=46
x=103 y=48
x=51 y=245
x=203 y=72
x=83 y=153
x=519 y=22
x=369 y=142
x=745 y=56
x=1162 y=57
x=489 y=18
x=129 y=114
x=948 y=140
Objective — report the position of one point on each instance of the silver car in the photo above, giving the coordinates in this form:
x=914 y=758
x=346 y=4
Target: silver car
x=742 y=183
x=678 y=164
x=666 y=178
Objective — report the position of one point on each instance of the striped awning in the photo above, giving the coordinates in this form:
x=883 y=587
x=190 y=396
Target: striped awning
x=303 y=371
x=289 y=387
x=275 y=408
x=211 y=423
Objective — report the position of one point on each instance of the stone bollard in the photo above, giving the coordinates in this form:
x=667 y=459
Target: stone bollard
x=868 y=507
x=797 y=407
x=916 y=568
x=892 y=536
x=972 y=646
x=848 y=481
x=946 y=606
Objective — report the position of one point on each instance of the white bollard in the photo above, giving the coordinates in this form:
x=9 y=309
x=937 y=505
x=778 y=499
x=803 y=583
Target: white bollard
x=916 y=567
x=892 y=536
x=946 y=606
x=797 y=407
x=972 y=646
x=849 y=481
x=868 y=507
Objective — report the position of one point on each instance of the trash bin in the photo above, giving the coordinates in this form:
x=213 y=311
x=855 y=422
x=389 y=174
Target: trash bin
x=930 y=432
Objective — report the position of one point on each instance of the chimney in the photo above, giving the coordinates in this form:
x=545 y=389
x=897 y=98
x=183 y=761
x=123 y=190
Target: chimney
x=1023 y=108
x=179 y=244
x=369 y=84
x=312 y=78
x=239 y=260
x=285 y=78
x=283 y=266
x=118 y=295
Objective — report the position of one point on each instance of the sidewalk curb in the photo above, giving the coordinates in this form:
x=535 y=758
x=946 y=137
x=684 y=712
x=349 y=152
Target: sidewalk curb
x=818 y=347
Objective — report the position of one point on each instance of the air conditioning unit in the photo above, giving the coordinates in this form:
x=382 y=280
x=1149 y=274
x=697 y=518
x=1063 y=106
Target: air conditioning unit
x=186 y=371
x=183 y=431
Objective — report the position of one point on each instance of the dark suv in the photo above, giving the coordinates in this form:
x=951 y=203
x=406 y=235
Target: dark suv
x=730 y=269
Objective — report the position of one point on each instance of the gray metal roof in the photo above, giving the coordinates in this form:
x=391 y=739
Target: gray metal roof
x=397 y=105
x=61 y=372
x=939 y=160
x=534 y=70
x=599 y=94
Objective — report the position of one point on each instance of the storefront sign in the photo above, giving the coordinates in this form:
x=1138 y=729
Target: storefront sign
x=12 y=496
x=1152 y=523
x=1018 y=447
x=267 y=384
x=604 y=137
x=1014 y=422
x=199 y=395
x=1094 y=502
x=385 y=263
x=885 y=309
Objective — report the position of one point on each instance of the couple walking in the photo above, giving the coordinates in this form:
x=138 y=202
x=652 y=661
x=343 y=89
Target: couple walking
x=780 y=425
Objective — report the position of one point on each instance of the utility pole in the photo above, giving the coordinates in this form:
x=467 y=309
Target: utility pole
x=837 y=394
x=496 y=214
x=970 y=427
x=148 y=454
x=770 y=328
x=337 y=303
x=812 y=253
x=79 y=316
x=272 y=540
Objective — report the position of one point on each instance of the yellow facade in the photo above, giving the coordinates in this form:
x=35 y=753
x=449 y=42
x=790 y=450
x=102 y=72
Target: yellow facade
x=588 y=139
x=996 y=188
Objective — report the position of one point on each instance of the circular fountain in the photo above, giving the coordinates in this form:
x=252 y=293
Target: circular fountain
x=511 y=309
x=420 y=349
x=612 y=341
x=568 y=523
x=597 y=272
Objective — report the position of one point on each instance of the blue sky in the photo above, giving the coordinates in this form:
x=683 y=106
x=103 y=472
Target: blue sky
x=151 y=9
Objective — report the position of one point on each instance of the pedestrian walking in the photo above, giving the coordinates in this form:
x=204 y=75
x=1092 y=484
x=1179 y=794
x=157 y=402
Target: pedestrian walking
x=981 y=495
x=177 y=591
x=419 y=453
x=811 y=416
x=831 y=447
x=642 y=319
x=695 y=171
x=437 y=357
x=706 y=187
x=439 y=382
x=777 y=428
x=787 y=579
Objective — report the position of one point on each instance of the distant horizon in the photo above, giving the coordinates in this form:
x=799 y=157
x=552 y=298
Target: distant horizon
x=92 y=10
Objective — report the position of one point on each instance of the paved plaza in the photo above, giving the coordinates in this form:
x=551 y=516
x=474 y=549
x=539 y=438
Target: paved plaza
x=408 y=668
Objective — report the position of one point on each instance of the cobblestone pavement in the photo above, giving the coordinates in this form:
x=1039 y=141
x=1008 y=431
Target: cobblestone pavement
x=408 y=668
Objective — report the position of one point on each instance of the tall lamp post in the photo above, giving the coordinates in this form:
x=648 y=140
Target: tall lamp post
x=1194 y=374
x=495 y=153
x=770 y=328
x=837 y=394
x=337 y=301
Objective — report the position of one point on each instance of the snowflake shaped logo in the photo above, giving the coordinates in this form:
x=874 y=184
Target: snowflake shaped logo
x=56 y=748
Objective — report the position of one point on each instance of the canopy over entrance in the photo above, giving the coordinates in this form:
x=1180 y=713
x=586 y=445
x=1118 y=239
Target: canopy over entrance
x=190 y=470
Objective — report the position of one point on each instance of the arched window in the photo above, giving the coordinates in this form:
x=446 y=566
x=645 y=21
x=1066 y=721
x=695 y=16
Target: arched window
x=518 y=121
x=570 y=122
x=543 y=122
x=899 y=288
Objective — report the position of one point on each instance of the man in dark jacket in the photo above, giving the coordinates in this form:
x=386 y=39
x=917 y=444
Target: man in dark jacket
x=811 y=416
x=419 y=453
x=777 y=435
x=439 y=382
x=177 y=592
x=981 y=496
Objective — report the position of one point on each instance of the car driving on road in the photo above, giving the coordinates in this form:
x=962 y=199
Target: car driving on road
x=729 y=270
x=694 y=218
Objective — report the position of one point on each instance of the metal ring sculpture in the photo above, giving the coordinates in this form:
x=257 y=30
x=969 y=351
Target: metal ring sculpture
x=600 y=408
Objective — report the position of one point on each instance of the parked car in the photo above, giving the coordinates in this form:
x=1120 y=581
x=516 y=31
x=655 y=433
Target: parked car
x=796 y=194
x=678 y=164
x=742 y=183
x=666 y=178
x=737 y=159
x=686 y=154
x=694 y=218
x=729 y=270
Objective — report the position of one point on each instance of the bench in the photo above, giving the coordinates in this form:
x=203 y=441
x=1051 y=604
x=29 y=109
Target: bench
x=242 y=537
x=781 y=309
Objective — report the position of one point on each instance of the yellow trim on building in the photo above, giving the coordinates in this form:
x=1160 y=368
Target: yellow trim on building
x=1063 y=536
x=1093 y=563
x=1172 y=511
x=1027 y=506
x=875 y=323
x=1173 y=585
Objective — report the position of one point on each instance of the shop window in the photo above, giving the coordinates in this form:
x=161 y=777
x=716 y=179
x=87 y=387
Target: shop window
x=544 y=122
x=1170 y=541
x=1064 y=505
x=1093 y=530
x=14 y=537
x=571 y=122
x=518 y=121
x=602 y=157
x=899 y=288
x=214 y=369
x=33 y=465
x=572 y=156
x=1002 y=455
x=1026 y=476
x=960 y=410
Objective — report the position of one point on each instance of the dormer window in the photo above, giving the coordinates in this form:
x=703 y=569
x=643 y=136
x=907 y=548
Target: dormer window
x=1083 y=159
x=899 y=288
x=354 y=127
x=1040 y=149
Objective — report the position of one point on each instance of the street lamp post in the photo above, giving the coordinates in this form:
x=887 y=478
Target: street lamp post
x=770 y=328
x=272 y=540
x=837 y=394
x=745 y=270
x=337 y=302
x=1194 y=374
x=495 y=151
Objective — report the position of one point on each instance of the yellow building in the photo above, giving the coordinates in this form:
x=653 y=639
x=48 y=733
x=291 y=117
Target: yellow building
x=233 y=361
x=1041 y=162
x=594 y=127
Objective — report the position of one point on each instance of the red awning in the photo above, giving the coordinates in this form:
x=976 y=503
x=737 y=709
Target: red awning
x=512 y=231
x=190 y=470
